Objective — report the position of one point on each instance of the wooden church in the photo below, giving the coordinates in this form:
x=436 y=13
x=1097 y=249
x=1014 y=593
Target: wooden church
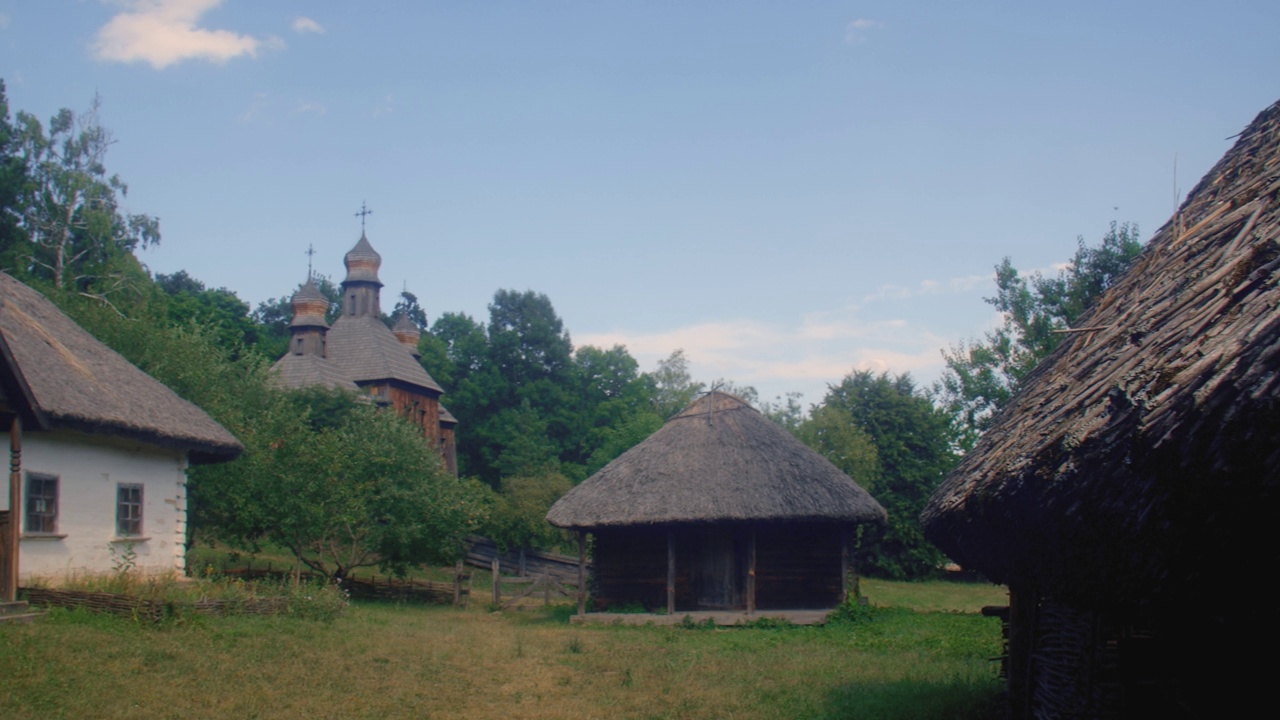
x=361 y=354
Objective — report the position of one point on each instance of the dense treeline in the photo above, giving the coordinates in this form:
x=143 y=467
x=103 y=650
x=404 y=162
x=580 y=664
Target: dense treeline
x=536 y=415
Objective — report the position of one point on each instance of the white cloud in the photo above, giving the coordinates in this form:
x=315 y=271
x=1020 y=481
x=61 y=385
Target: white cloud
x=307 y=25
x=4 y=21
x=856 y=31
x=384 y=109
x=962 y=284
x=777 y=358
x=309 y=107
x=164 y=32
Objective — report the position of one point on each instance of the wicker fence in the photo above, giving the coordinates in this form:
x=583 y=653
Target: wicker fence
x=153 y=610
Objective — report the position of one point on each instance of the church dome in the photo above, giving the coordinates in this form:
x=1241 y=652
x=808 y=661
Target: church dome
x=407 y=333
x=309 y=306
x=362 y=262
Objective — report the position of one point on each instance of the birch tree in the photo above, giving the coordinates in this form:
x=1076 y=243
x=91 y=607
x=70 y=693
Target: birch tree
x=74 y=223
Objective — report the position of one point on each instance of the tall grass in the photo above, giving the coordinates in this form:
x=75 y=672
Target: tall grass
x=389 y=661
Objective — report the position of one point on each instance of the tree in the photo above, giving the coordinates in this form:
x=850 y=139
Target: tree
x=75 y=228
x=981 y=376
x=832 y=431
x=220 y=311
x=527 y=339
x=674 y=389
x=361 y=491
x=13 y=179
x=408 y=306
x=914 y=449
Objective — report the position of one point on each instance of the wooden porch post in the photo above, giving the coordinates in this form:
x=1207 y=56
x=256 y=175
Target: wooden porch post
x=751 y=573
x=582 y=572
x=671 y=571
x=10 y=589
x=844 y=567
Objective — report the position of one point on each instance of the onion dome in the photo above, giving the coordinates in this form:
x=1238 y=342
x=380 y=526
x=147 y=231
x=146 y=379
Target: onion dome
x=363 y=262
x=407 y=333
x=309 y=306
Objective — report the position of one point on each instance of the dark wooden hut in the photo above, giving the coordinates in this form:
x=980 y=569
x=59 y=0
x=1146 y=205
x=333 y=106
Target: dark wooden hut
x=720 y=509
x=1126 y=494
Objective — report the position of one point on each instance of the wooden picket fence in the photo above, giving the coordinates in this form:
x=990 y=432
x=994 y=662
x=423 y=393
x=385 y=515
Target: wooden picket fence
x=152 y=610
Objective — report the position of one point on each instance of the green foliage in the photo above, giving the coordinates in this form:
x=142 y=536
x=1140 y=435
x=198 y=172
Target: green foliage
x=408 y=306
x=517 y=517
x=219 y=311
x=853 y=611
x=366 y=492
x=674 y=388
x=914 y=448
x=832 y=431
x=981 y=376
x=75 y=229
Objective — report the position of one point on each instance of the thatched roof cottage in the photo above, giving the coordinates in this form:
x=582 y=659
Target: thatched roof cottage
x=720 y=509
x=1126 y=495
x=99 y=449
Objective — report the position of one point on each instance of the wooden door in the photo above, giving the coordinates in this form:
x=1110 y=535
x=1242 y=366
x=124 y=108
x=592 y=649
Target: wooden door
x=719 y=570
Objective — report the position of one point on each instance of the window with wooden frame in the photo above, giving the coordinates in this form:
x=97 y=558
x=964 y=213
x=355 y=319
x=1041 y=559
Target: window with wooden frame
x=128 y=510
x=42 y=504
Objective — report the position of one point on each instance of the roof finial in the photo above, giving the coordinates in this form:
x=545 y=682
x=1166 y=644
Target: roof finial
x=364 y=211
x=311 y=251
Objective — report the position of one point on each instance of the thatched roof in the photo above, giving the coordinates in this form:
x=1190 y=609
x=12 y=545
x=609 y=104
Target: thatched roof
x=1144 y=454
x=77 y=383
x=719 y=459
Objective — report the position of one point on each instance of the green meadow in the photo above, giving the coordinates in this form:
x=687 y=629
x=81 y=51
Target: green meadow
x=921 y=651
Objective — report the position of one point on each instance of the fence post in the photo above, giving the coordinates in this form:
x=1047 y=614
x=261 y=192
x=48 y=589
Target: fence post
x=457 y=584
x=497 y=582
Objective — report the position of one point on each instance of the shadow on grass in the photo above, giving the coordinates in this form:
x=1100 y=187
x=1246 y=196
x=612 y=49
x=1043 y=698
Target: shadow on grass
x=917 y=700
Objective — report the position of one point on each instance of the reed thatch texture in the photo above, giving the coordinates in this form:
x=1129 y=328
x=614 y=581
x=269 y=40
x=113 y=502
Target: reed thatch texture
x=78 y=383
x=718 y=460
x=1142 y=458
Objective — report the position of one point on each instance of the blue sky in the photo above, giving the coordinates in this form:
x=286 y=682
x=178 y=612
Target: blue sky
x=787 y=191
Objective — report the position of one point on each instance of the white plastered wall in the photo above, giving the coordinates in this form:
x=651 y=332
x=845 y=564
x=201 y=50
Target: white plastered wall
x=89 y=468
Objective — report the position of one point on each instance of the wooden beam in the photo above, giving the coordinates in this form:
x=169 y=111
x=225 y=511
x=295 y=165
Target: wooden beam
x=582 y=572
x=751 y=572
x=844 y=567
x=671 y=571
x=10 y=590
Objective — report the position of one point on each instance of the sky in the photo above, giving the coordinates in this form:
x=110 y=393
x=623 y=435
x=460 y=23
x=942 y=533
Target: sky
x=786 y=191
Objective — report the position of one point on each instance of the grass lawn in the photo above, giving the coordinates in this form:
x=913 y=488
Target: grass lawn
x=386 y=661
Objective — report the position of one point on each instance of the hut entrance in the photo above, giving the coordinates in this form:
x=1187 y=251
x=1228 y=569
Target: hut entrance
x=719 y=569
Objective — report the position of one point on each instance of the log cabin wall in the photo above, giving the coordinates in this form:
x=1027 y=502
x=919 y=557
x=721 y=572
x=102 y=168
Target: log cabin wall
x=798 y=565
x=630 y=568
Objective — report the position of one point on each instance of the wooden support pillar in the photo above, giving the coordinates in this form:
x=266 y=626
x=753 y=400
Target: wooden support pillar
x=496 y=569
x=671 y=571
x=582 y=572
x=10 y=581
x=1023 y=609
x=751 y=573
x=844 y=567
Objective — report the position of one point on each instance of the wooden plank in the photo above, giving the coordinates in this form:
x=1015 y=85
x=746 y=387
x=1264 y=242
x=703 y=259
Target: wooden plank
x=582 y=572
x=10 y=581
x=751 y=572
x=671 y=572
